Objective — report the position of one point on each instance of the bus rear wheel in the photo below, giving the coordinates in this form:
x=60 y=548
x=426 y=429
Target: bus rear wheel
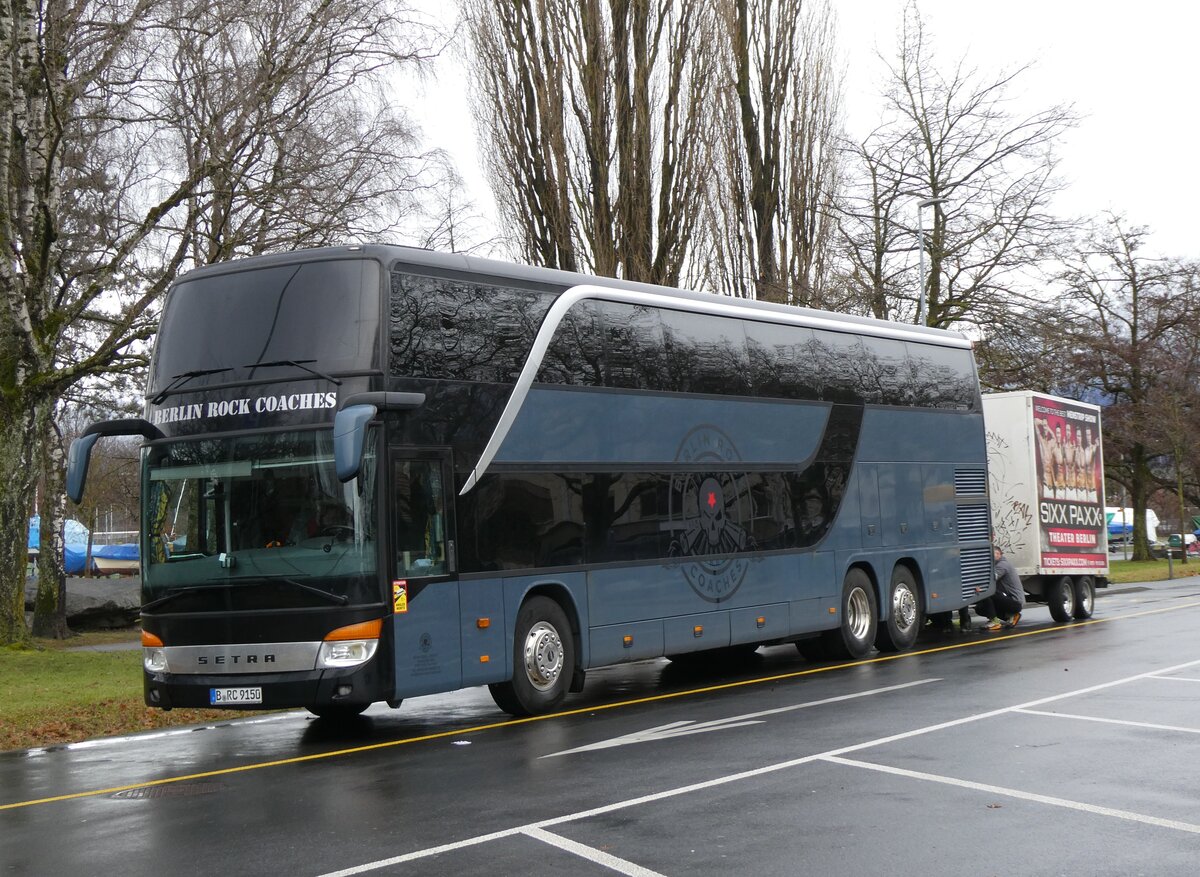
x=855 y=635
x=905 y=618
x=1061 y=598
x=1085 y=597
x=543 y=660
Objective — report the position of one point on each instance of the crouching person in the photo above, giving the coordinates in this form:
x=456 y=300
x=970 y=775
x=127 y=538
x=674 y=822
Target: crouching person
x=1004 y=607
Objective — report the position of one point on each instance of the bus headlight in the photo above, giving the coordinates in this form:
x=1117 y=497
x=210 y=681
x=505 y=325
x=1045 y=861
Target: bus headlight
x=154 y=660
x=350 y=646
x=346 y=653
x=154 y=653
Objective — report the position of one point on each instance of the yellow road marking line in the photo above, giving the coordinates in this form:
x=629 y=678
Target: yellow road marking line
x=508 y=723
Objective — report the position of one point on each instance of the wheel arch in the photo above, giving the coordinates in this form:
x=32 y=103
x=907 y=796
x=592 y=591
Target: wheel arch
x=560 y=594
x=910 y=563
x=867 y=567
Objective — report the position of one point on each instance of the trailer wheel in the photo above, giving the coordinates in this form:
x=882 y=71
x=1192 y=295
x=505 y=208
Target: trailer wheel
x=543 y=660
x=855 y=635
x=1085 y=597
x=1060 y=595
x=899 y=631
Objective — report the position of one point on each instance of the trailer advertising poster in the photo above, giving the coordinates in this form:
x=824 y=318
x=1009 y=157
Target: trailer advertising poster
x=1070 y=485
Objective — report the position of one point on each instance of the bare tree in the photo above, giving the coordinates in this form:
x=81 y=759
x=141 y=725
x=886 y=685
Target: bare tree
x=1129 y=310
x=950 y=136
x=871 y=230
x=775 y=147
x=593 y=114
x=138 y=135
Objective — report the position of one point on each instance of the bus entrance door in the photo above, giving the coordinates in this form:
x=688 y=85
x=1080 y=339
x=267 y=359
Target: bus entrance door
x=425 y=602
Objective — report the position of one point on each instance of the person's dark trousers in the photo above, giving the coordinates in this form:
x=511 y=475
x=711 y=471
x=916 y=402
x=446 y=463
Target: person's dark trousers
x=998 y=606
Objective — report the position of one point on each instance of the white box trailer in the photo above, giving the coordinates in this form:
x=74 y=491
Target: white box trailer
x=1046 y=487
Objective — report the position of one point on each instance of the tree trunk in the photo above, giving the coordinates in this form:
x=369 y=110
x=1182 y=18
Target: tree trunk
x=50 y=607
x=1139 y=489
x=18 y=472
x=1182 y=505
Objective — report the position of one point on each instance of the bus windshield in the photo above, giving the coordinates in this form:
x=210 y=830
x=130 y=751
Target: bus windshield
x=217 y=328
x=259 y=510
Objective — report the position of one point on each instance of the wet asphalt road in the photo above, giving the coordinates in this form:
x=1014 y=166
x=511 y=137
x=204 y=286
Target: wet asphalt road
x=1052 y=749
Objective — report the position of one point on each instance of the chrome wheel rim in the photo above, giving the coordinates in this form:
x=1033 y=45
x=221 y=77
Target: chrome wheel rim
x=858 y=614
x=543 y=656
x=904 y=607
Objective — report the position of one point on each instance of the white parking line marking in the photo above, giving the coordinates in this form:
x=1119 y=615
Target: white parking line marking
x=681 y=729
x=1024 y=796
x=1177 y=678
x=156 y=735
x=621 y=866
x=748 y=774
x=1149 y=725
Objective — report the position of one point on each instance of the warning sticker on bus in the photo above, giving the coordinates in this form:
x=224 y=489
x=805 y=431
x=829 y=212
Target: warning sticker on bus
x=399 y=596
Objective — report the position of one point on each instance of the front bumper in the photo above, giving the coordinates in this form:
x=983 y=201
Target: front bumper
x=367 y=684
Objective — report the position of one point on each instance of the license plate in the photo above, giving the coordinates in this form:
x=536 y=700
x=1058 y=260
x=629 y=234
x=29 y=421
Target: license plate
x=222 y=696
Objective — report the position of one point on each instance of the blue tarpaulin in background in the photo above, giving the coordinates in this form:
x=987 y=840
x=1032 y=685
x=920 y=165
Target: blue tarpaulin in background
x=75 y=547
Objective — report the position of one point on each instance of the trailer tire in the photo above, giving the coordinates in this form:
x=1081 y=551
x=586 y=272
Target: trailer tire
x=1060 y=596
x=1085 y=597
x=859 y=618
x=905 y=618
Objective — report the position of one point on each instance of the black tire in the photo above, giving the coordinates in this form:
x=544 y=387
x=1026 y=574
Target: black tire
x=338 y=712
x=905 y=613
x=543 y=660
x=1085 y=597
x=1061 y=597
x=859 y=615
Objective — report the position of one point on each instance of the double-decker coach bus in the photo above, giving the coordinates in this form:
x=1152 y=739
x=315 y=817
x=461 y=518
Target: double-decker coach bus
x=376 y=472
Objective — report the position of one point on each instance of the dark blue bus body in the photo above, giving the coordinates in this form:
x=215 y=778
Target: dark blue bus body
x=556 y=473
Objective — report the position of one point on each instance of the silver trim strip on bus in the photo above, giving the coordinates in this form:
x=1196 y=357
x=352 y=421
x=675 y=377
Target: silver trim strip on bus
x=716 y=308
x=242 y=658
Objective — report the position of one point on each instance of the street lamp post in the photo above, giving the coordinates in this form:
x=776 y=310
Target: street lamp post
x=921 y=205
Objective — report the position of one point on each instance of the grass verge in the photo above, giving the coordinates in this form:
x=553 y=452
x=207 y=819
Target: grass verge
x=1124 y=571
x=50 y=696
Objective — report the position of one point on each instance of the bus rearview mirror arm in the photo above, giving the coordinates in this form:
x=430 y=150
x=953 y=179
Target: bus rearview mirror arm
x=81 y=448
x=350 y=426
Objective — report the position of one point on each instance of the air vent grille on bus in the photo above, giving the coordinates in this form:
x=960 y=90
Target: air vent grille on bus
x=973 y=523
x=976 y=571
x=970 y=482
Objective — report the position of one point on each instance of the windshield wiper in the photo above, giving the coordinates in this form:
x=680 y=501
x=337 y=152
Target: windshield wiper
x=179 y=380
x=298 y=363
x=161 y=601
x=339 y=599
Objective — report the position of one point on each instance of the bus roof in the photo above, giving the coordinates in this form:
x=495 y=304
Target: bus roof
x=458 y=262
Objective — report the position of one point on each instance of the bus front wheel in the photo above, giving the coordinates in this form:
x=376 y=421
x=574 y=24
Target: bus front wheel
x=543 y=660
x=338 y=712
x=855 y=635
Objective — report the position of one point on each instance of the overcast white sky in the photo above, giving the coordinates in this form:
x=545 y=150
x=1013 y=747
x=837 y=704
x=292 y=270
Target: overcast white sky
x=1131 y=70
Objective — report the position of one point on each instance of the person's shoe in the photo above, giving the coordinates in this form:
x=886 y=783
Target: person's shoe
x=995 y=625
x=1012 y=622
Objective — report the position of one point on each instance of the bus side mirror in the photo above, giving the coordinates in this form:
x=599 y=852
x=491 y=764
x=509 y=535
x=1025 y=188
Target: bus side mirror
x=350 y=438
x=81 y=449
x=77 y=465
x=350 y=426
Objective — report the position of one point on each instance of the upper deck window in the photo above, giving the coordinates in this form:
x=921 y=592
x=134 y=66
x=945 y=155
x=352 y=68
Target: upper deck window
x=323 y=313
x=461 y=330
